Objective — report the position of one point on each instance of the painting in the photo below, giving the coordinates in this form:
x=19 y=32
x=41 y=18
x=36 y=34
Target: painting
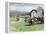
x=24 y=17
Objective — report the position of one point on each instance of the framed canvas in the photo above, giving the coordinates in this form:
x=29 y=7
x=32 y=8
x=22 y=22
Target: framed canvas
x=24 y=17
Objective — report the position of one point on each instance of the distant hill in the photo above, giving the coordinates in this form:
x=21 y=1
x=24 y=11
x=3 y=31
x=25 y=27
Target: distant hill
x=19 y=13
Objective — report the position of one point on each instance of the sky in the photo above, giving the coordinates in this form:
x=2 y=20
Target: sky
x=23 y=7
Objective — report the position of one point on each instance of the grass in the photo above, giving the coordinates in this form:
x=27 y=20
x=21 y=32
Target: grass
x=20 y=26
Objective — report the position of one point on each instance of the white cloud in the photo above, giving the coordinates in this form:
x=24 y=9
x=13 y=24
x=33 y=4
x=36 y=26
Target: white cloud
x=23 y=7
